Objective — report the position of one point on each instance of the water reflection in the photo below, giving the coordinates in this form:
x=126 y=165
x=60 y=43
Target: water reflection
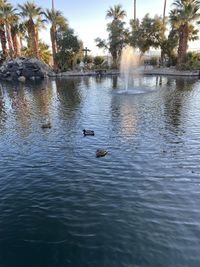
x=126 y=115
x=115 y=82
x=58 y=200
x=176 y=103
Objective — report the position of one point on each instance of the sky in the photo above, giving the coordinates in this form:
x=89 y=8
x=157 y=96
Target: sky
x=87 y=17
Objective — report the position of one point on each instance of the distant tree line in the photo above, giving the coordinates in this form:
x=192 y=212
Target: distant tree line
x=150 y=33
x=20 y=27
x=19 y=34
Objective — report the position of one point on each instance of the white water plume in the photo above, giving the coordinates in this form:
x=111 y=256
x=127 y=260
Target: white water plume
x=128 y=65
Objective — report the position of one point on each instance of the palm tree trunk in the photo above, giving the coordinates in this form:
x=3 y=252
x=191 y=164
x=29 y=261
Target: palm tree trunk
x=37 y=42
x=114 y=57
x=135 y=11
x=52 y=5
x=54 y=45
x=9 y=38
x=33 y=38
x=183 y=44
x=16 y=44
x=164 y=10
x=21 y=41
x=3 y=40
x=162 y=53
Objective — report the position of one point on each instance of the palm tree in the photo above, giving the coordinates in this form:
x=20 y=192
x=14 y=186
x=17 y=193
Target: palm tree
x=43 y=49
x=30 y=11
x=116 y=32
x=135 y=11
x=7 y=12
x=39 y=24
x=164 y=10
x=56 y=19
x=16 y=43
x=3 y=39
x=182 y=16
x=15 y=31
x=116 y=13
x=22 y=33
x=163 y=38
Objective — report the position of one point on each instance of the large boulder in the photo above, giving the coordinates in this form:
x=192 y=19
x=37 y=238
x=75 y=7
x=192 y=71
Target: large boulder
x=30 y=68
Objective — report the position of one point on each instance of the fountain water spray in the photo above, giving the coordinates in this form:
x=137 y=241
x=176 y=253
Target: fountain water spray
x=128 y=65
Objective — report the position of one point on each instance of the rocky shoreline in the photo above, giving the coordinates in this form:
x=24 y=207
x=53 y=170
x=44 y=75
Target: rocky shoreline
x=23 y=68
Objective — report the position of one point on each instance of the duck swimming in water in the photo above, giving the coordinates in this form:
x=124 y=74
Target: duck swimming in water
x=46 y=125
x=101 y=153
x=88 y=132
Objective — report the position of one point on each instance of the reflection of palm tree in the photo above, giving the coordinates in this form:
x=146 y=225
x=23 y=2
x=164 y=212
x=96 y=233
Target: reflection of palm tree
x=175 y=102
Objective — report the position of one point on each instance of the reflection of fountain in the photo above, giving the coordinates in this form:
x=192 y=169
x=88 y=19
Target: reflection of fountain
x=128 y=65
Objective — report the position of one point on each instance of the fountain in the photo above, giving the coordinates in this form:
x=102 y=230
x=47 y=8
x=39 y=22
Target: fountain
x=129 y=66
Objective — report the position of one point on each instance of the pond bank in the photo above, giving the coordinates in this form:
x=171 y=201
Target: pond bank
x=171 y=72
x=144 y=71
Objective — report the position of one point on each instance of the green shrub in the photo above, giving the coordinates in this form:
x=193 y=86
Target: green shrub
x=192 y=61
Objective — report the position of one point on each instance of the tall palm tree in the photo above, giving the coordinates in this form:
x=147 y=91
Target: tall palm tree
x=57 y=20
x=15 y=34
x=3 y=39
x=39 y=24
x=182 y=16
x=135 y=11
x=15 y=39
x=30 y=11
x=164 y=11
x=7 y=12
x=163 y=39
x=116 y=32
x=116 y=13
x=22 y=33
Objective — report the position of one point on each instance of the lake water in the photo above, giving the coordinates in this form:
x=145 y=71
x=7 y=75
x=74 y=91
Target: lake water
x=137 y=206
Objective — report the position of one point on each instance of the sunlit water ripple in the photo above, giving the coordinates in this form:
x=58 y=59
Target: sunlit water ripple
x=137 y=206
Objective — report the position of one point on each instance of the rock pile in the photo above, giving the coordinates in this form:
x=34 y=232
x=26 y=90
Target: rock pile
x=24 y=68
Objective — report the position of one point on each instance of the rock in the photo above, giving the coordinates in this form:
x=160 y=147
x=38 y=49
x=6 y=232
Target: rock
x=22 y=79
x=24 y=67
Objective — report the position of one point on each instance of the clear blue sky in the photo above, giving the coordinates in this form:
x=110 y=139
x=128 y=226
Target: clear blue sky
x=87 y=17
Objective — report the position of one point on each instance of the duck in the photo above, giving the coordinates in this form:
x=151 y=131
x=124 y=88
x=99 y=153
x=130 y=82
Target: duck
x=46 y=125
x=88 y=132
x=101 y=153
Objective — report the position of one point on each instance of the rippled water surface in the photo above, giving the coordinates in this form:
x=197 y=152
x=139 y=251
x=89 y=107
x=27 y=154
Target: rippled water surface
x=137 y=206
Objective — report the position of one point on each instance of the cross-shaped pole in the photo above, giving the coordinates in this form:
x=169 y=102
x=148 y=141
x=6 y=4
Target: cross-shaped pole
x=86 y=50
